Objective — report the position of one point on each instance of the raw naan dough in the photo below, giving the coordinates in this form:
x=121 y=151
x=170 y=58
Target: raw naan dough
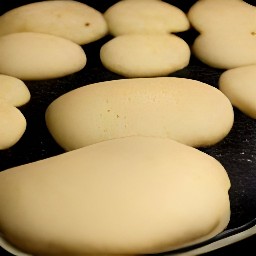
x=133 y=195
x=14 y=90
x=129 y=17
x=12 y=125
x=145 y=55
x=239 y=85
x=185 y=110
x=227 y=32
x=72 y=20
x=37 y=56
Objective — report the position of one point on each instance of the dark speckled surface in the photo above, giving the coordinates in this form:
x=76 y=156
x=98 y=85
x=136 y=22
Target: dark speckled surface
x=237 y=152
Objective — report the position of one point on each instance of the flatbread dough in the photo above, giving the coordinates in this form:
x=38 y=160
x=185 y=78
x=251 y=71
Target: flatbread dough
x=72 y=20
x=37 y=56
x=129 y=17
x=185 y=110
x=145 y=55
x=239 y=85
x=133 y=195
x=12 y=125
x=14 y=90
x=227 y=32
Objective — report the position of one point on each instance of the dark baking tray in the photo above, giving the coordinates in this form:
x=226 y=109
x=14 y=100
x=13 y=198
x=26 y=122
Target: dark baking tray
x=237 y=151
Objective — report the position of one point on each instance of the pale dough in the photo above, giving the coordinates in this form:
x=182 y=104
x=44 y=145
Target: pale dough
x=14 y=90
x=36 y=56
x=145 y=55
x=72 y=20
x=12 y=125
x=228 y=32
x=129 y=17
x=133 y=195
x=239 y=85
x=186 y=110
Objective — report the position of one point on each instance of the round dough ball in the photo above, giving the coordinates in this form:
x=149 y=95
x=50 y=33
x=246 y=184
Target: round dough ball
x=239 y=85
x=133 y=195
x=36 y=56
x=12 y=125
x=13 y=90
x=72 y=20
x=129 y=17
x=185 y=110
x=145 y=55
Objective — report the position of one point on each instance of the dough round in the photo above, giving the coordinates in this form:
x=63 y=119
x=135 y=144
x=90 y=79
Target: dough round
x=133 y=195
x=138 y=55
x=14 y=90
x=72 y=20
x=129 y=17
x=239 y=85
x=12 y=125
x=36 y=56
x=185 y=110
x=228 y=33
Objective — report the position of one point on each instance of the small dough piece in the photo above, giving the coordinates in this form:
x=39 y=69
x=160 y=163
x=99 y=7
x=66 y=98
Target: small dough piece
x=72 y=20
x=14 y=91
x=185 y=110
x=145 y=55
x=129 y=17
x=228 y=32
x=12 y=125
x=222 y=16
x=225 y=51
x=239 y=85
x=133 y=195
x=36 y=56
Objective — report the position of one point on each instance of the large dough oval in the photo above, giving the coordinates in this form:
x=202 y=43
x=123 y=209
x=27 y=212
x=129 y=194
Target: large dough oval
x=132 y=195
x=188 y=111
x=36 y=56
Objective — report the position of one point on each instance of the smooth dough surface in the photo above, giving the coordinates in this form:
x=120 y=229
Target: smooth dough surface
x=133 y=195
x=228 y=32
x=239 y=85
x=186 y=110
x=36 y=56
x=14 y=90
x=12 y=125
x=145 y=55
x=72 y=20
x=129 y=17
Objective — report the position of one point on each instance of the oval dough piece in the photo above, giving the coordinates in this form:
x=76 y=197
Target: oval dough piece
x=225 y=51
x=137 y=55
x=228 y=33
x=13 y=90
x=129 y=17
x=186 y=110
x=36 y=56
x=132 y=195
x=222 y=16
x=72 y=20
x=239 y=85
x=12 y=125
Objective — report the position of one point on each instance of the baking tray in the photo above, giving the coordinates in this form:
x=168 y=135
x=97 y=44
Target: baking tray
x=236 y=152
